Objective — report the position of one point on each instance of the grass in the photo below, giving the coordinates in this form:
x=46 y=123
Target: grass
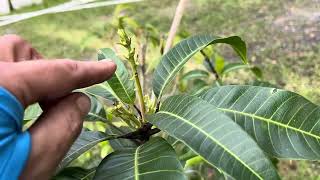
x=285 y=45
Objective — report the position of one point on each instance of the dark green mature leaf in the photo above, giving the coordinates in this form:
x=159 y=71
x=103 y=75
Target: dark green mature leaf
x=118 y=144
x=154 y=160
x=198 y=86
x=184 y=153
x=257 y=72
x=97 y=111
x=195 y=74
x=120 y=82
x=283 y=123
x=85 y=141
x=214 y=136
x=75 y=173
x=172 y=62
x=262 y=84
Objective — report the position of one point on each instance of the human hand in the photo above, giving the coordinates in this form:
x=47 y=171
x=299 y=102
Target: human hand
x=51 y=83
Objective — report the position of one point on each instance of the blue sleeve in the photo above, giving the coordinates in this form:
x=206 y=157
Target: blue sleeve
x=15 y=144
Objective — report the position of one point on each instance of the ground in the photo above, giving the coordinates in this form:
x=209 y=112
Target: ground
x=283 y=37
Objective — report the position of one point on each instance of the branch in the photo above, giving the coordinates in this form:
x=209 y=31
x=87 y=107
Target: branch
x=10 y=5
x=211 y=66
x=143 y=52
x=143 y=134
x=138 y=110
x=175 y=24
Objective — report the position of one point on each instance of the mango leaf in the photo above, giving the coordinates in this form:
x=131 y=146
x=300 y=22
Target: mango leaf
x=214 y=136
x=180 y=148
x=283 y=123
x=218 y=63
x=234 y=67
x=75 y=173
x=155 y=159
x=118 y=144
x=184 y=153
x=85 y=141
x=199 y=167
x=172 y=62
x=262 y=84
x=195 y=74
x=32 y=112
x=120 y=82
x=237 y=66
x=257 y=72
x=102 y=91
x=198 y=86
x=97 y=111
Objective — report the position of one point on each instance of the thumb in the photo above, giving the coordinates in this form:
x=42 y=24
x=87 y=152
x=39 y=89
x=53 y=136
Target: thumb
x=53 y=134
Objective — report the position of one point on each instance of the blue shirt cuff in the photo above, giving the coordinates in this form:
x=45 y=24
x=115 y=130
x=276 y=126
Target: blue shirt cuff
x=15 y=144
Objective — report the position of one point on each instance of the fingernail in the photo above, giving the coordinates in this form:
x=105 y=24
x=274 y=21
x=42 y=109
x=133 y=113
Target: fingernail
x=112 y=65
x=83 y=102
x=106 y=60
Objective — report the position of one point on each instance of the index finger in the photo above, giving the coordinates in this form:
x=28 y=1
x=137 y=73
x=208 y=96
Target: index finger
x=34 y=81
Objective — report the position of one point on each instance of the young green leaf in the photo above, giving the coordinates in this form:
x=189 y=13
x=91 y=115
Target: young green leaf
x=195 y=74
x=214 y=136
x=172 y=62
x=234 y=67
x=284 y=124
x=102 y=90
x=218 y=63
x=32 y=112
x=120 y=82
x=237 y=66
x=155 y=160
x=85 y=141
x=262 y=84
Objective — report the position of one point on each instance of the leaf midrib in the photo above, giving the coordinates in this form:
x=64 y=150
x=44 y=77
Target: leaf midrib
x=268 y=120
x=213 y=139
x=105 y=88
x=88 y=175
x=92 y=142
x=123 y=87
x=97 y=116
x=176 y=67
x=136 y=163
x=164 y=170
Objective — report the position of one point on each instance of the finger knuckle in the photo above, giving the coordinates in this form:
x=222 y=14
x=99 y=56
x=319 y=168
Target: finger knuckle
x=65 y=67
x=70 y=66
x=13 y=38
